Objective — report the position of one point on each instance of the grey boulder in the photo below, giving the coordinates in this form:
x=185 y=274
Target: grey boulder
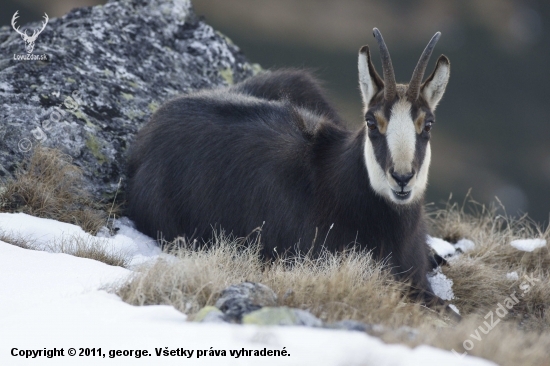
x=106 y=70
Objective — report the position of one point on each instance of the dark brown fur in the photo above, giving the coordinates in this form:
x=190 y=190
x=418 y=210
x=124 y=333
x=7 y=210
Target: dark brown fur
x=269 y=152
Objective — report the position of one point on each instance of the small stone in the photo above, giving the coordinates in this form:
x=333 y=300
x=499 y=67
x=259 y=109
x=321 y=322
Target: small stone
x=307 y=319
x=412 y=333
x=281 y=316
x=210 y=314
x=237 y=300
x=351 y=325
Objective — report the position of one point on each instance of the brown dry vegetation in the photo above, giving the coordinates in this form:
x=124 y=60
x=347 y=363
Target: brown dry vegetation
x=78 y=246
x=349 y=285
x=91 y=248
x=333 y=287
x=48 y=185
x=353 y=286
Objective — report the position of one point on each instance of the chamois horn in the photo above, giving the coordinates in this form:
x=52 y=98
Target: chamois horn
x=414 y=86
x=387 y=67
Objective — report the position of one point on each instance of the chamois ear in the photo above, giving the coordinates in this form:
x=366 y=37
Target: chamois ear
x=434 y=87
x=369 y=80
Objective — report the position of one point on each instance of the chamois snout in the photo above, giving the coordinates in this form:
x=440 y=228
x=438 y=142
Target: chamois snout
x=401 y=189
x=401 y=179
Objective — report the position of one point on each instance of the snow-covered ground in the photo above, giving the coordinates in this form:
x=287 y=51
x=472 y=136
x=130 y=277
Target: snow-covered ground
x=53 y=301
x=528 y=245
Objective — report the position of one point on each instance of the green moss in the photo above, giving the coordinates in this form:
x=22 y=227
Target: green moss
x=271 y=316
x=153 y=106
x=78 y=114
x=227 y=75
x=94 y=145
x=226 y=38
x=132 y=114
x=256 y=69
x=204 y=312
x=71 y=80
x=127 y=96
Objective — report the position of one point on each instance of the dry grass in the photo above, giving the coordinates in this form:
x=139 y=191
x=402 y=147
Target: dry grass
x=353 y=286
x=75 y=245
x=18 y=241
x=480 y=275
x=91 y=248
x=48 y=185
x=505 y=344
x=522 y=337
x=333 y=287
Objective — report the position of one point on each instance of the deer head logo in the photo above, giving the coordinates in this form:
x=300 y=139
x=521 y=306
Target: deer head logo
x=29 y=40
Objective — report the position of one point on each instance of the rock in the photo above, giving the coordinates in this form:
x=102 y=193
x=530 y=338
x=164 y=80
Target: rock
x=108 y=69
x=237 y=300
x=210 y=314
x=281 y=316
x=350 y=325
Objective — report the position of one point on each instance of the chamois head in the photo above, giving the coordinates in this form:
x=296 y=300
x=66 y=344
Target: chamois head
x=398 y=122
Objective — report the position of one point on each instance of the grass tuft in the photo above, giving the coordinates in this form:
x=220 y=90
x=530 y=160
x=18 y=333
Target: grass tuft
x=479 y=276
x=333 y=287
x=76 y=245
x=352 y=285
x=91 y=248
x=48 y=185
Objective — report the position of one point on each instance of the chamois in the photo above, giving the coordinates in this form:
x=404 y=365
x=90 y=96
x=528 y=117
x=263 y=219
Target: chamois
x=272 y=152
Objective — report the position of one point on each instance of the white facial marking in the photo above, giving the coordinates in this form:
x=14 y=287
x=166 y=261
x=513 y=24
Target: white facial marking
x=422 y=176
x=401 y=137
x=377 y=176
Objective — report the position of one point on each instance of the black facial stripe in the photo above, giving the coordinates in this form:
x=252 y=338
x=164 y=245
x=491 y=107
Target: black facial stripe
x=420 y=107
x=381 y=149
x=420 y=151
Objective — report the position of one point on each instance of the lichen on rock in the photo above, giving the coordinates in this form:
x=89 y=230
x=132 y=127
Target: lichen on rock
x=108 y=69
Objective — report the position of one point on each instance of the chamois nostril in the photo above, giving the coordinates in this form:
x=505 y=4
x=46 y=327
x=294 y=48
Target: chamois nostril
x=402 y=180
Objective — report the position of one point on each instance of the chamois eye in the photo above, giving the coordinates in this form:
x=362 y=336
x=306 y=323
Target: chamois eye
x=428 y=126
x=371 y=124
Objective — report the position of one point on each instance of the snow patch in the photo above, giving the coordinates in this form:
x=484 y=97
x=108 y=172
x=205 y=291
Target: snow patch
x=54 y=299
x=528 y=245
x=48 y=235
x=441 y=247
x=512 y=276
x=452 y=306
x=465 y=245
x=441 y=284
